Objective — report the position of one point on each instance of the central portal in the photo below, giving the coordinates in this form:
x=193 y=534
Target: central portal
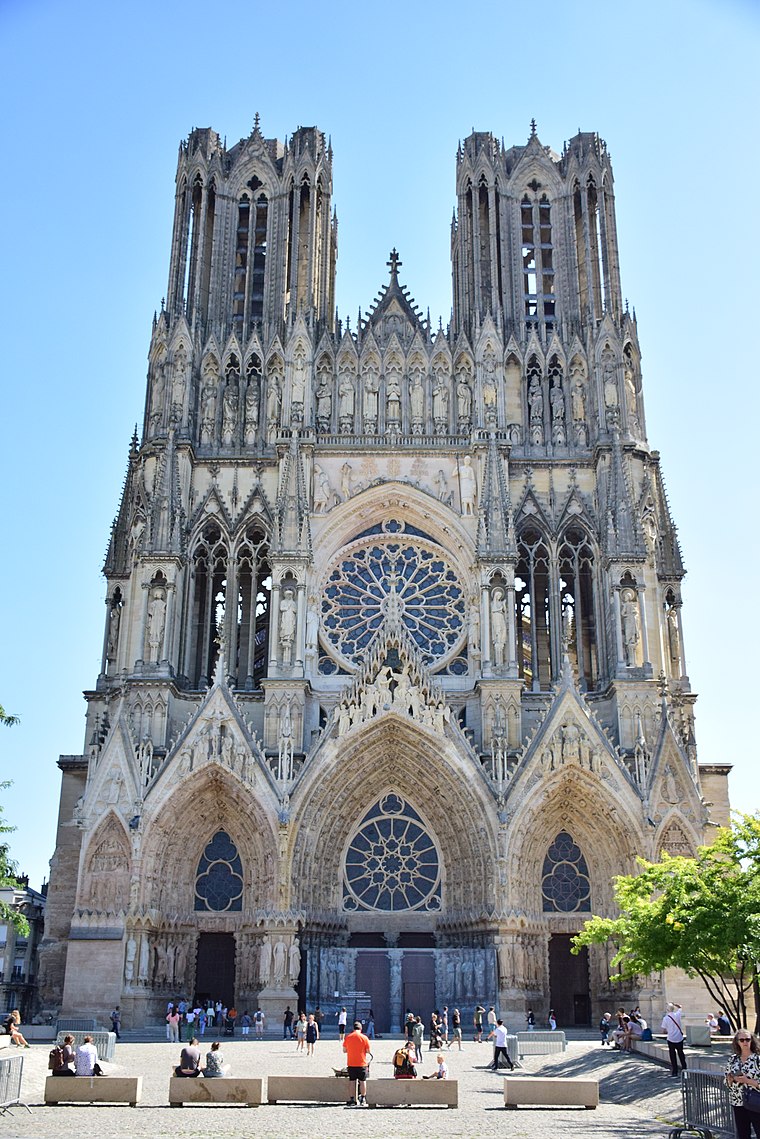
x=215 y=968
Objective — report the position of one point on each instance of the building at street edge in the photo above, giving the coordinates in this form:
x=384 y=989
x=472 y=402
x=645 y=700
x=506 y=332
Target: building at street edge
x=393 y=676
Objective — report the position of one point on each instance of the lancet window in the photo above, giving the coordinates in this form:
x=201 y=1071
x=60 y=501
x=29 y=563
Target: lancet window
x=250 y=259
x=556 y=607
x=229 y=606
x=539 y=300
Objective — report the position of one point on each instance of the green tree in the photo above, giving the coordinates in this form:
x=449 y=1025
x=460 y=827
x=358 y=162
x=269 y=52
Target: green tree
x=7 y=865
x=699 y=914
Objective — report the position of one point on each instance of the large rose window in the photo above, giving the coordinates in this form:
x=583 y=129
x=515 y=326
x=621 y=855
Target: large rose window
x=392 y=862
x=393 y=572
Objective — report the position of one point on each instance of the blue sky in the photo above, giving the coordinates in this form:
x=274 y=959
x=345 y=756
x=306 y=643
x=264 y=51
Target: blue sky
x=96 y=98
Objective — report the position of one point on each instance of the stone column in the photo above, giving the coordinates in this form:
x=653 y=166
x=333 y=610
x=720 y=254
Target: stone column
x=396 y=957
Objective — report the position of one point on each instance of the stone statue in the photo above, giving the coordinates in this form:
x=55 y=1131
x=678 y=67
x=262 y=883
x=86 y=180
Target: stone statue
x=288 y=612
x=630 y=398
x=142 y=970
x=324 y=400
x=265 y=961
x=323 y=493
x=674 y=636
x=441 y=403
x=279 y=962
x=312 y=627
x=208 y=411
x=442 y=488
x=114 y=621
x=371 y=379
x=489 y=386
x=298 y=387
x=417 y=402
x=467 y=485
x=464 y=398
x=179 y=385
x=611 y=399
x=157 y=397
x=230 y=404
x=156 y=620
x=252 y=410
x=393 y=398
x=557 y=401
x=346 y=472
x=285 y=745
x=629 y=618
x=294 y=962
x=129 y=962
x=274 y=403
x=536 y=404
x=498 y=625
x=346 y=396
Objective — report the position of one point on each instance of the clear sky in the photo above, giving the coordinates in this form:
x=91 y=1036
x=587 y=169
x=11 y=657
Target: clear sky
x=96 y=98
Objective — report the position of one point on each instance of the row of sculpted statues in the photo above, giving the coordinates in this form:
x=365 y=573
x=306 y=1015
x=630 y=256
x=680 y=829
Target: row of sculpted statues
x=398 y=396
x=164 y=961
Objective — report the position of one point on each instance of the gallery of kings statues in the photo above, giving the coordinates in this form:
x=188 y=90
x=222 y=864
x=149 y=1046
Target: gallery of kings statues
x=393 y=676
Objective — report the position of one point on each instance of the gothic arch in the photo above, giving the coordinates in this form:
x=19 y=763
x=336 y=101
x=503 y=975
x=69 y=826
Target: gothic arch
x=430 y=773
x=604 y=822
x=107 y=862
x=183 y=822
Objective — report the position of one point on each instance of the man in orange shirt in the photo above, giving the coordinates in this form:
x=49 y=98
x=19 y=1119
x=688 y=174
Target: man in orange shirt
x=357 y=1048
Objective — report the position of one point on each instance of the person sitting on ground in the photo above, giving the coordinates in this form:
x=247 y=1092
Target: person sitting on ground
x=441 y=1071
x=215 y=1065
x=62 y=1058
x=11 y=1027
x=403 y=1062
x=189 y=1060
x=87 y=1059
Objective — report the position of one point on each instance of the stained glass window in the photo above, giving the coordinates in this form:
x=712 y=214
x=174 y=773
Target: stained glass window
x=410 y=573
x=392 y=862
x=219 y=881
x=565 y=885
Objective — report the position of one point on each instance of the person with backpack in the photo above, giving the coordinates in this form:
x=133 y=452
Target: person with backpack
x=403 y=1062
x=116 y=1022
x=258 y=1023
x=62 y=1057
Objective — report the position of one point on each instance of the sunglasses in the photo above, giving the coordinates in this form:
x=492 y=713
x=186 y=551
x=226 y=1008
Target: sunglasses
x=744 y=1039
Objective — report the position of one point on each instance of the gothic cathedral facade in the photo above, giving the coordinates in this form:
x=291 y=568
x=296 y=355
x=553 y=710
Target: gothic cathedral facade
x=393 y=678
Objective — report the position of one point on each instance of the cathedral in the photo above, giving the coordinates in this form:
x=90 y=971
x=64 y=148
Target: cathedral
x=393 y=678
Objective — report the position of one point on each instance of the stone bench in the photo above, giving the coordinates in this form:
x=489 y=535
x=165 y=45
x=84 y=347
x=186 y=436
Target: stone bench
x=309 y=1089
x=550 y=1091
x=413 y=1093
x=93 y=1089
x=219 y=1089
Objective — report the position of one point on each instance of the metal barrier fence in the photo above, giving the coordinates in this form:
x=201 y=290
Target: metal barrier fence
x=105 y=1042
x=81 y=1025
x=707 y=1109
x=540 y=1043
x=11 y=1071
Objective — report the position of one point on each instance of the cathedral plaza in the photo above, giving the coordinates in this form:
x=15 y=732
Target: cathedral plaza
x=637 y=1098
x=393 y=678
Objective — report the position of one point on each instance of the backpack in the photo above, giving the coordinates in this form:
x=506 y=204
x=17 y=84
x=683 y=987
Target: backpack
x=399 y=1058
x=56 y=1057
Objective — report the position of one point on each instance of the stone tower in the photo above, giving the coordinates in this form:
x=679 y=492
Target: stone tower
x=393 y=678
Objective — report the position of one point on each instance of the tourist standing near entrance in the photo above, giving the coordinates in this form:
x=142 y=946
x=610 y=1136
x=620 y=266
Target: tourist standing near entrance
x=312 y=1034
x=477 y=1023
x=259 y=1021
x=499 y=1036
x=356 y=1047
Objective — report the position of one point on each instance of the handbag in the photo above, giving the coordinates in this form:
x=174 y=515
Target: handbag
x=751 y=1099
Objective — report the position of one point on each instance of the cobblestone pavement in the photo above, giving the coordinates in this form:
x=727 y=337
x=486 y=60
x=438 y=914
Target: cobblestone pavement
x=638 y=1098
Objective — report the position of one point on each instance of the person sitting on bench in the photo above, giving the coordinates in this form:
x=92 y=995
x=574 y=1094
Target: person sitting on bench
x=189 y=1060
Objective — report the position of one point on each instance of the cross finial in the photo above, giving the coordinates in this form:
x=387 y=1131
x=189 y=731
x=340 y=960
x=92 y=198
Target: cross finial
x=532 y=128
x=394 y=262
x=256 y=121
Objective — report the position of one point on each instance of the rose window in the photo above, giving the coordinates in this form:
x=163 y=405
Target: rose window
x=392 y=574
x=565 y=884
x=219 y=881
x=392 y=862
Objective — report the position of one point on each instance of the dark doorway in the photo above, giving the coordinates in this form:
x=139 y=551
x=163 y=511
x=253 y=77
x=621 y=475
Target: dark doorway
x=418 y=976
x=215 y=968
x=568 y=982
x=373 y=977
